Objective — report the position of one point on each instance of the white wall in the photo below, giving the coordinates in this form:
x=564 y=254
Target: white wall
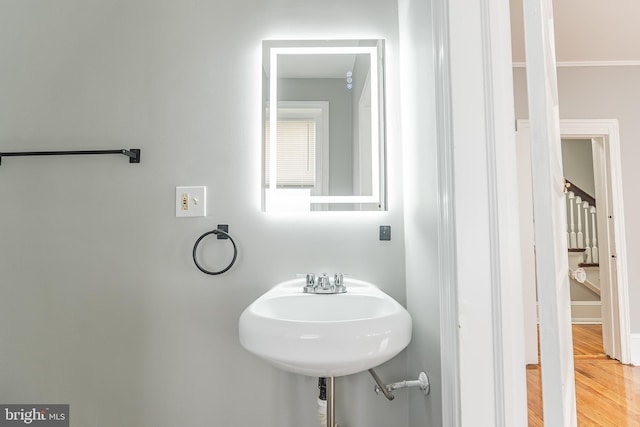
x=101 y=306
x=605 y=93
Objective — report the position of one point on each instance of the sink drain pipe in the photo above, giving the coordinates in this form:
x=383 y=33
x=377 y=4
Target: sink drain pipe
x=322 y=401
x=326 y=402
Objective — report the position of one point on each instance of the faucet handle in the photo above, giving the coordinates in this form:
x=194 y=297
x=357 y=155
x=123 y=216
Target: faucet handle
x=310 y=282
x=338 y=283
x=311 y=279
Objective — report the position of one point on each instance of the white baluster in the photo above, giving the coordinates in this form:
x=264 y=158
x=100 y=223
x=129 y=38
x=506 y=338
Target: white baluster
x=594 y=248
x=579 y=235
x=572 y=232
x=566 y=207
x=587 y=241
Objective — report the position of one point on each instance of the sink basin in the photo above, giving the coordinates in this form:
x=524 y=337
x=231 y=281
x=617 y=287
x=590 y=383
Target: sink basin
x=325 y=335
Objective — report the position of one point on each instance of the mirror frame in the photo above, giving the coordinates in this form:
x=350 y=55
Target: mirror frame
x=276 y=199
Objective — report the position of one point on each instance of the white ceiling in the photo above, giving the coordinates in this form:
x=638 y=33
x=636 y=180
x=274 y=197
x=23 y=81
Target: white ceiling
x=587 y=30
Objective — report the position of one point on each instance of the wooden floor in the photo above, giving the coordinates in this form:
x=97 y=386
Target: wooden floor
x=607 y=392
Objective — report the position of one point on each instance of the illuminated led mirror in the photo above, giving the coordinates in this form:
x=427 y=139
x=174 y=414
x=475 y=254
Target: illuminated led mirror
x=323 y=143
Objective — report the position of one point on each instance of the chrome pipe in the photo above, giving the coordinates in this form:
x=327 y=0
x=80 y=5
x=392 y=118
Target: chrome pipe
x=331 y=402
x=380 y=387
x=422 y=383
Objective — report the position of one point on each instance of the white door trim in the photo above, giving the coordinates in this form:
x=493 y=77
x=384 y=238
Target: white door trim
x=489 y=324
x=606 y=131
x=451 y=373
x=556 y=350
x=527 y=243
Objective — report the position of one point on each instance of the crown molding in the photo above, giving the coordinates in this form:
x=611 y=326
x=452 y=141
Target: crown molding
x=569 y=64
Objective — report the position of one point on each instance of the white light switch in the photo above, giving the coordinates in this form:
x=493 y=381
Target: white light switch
x=191 y=201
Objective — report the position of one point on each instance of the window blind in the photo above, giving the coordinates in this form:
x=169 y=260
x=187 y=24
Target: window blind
x=296 y=153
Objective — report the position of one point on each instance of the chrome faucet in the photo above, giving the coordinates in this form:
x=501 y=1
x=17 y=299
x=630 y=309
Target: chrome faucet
x=324 y=284
x=310 y=283
x=338 y=283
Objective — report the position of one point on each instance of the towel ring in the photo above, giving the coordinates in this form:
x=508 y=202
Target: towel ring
x=195 y=249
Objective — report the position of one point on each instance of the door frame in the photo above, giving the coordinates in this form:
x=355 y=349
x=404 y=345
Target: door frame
x=615 y=299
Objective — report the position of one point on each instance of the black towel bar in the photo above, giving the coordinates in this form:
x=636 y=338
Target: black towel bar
x=133 y=154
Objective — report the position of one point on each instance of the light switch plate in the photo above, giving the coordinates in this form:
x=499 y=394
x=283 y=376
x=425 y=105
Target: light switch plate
x=191 y=201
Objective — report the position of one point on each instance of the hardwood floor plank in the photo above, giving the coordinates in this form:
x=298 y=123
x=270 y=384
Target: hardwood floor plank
x=607 y=392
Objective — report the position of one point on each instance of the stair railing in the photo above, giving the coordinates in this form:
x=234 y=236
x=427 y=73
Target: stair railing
x=582 y=231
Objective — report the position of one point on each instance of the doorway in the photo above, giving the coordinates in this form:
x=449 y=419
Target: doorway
x=582 y=231
x=612 y=246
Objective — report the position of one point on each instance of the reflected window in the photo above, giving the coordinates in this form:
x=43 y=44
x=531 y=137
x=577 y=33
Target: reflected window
x=302 y=146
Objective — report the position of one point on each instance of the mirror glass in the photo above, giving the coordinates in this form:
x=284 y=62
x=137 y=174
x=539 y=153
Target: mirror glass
x=323 y=144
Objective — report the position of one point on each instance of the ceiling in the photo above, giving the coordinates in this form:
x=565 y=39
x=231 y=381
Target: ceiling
x=587 y=30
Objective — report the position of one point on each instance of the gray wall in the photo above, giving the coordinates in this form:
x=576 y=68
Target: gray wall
x=421 y=207
x=101 y=306
x=605 y=93
x=577 y=164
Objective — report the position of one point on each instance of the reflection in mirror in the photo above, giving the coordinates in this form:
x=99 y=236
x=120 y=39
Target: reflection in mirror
x=323 y=145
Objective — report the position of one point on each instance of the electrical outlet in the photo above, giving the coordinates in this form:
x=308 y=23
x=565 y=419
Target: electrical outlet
x=191 y=201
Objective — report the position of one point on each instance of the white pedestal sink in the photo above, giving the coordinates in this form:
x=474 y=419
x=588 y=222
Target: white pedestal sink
x=325 y=335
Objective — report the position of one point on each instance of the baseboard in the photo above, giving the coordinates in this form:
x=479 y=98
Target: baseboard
x=586 y=312
x=635 y=349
